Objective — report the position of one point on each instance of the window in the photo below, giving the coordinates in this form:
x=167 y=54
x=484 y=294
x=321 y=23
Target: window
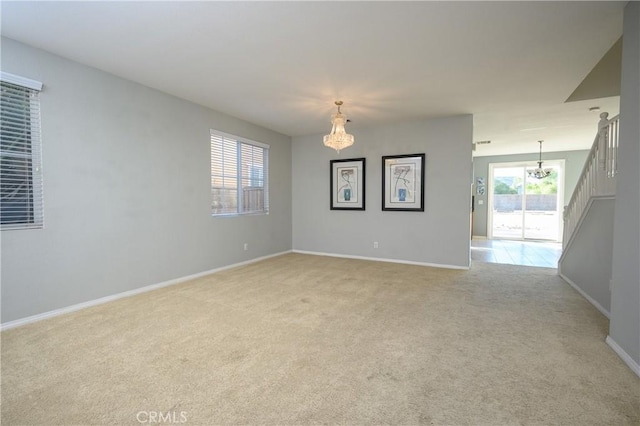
x=20 y=153
x=239 y=175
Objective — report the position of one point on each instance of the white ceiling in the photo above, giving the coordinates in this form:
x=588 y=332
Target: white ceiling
x=282 y=64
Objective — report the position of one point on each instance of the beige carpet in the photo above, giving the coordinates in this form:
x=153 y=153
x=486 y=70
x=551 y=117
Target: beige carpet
x=303 y=339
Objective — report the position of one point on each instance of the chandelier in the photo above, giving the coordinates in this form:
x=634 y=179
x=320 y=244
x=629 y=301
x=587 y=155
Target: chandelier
x=338 y=138
x=539 y=172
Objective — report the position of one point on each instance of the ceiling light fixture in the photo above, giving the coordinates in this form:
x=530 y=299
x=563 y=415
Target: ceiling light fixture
x=338 y=138
x=539 y=172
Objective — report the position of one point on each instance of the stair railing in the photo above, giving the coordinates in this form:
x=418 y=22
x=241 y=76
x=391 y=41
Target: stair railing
x=598 y=176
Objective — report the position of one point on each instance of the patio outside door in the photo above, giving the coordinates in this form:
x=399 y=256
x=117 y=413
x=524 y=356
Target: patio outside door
x=522 y=207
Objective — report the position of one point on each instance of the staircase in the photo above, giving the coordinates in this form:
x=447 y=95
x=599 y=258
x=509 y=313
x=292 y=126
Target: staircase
x=588 y=220
x=598 y=178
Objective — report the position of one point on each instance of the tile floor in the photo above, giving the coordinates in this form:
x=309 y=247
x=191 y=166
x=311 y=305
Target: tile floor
x=528 y=253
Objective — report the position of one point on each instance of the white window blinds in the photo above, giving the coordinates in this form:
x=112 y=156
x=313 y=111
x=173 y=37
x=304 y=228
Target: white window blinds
x=21 y=204
x=239 y=175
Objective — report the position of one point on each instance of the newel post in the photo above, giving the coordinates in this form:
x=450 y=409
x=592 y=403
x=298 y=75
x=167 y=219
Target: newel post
x=603 y=131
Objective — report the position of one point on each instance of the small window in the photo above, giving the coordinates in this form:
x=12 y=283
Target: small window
x=239 y=175
x=20 y=154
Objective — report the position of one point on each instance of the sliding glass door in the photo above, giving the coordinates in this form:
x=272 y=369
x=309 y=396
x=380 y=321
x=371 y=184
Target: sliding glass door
x=508 y=198
x=522 y=207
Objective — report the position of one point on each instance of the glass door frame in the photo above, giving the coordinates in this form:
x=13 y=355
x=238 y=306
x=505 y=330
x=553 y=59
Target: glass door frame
x=560 y=163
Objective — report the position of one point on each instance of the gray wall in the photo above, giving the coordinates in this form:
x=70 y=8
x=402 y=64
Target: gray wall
x=587 y=260
x=127 y=190
x=574 y=161
x=625 y=294
x=439 y=235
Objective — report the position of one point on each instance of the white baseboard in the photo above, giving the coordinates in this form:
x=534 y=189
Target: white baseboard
x=478 y=237
x=378 y=259
x=634 y=366
x=73 y=308
x=585 y=295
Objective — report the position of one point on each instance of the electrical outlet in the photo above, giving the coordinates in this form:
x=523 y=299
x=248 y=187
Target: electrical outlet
x=375 y=244
x=246 y=246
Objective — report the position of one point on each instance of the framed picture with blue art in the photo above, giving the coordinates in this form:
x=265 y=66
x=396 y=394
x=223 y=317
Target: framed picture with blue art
x=347 y=184
x=403 y=182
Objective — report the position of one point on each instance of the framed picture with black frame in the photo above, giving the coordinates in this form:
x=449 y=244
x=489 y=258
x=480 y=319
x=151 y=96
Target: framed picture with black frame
x=403 y=182
x=347 y=184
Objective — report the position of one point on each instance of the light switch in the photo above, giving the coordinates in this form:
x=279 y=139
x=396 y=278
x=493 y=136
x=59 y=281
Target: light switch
x=481 y=202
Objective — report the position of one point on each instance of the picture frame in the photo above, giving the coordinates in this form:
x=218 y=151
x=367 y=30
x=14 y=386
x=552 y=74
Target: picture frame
x=480 y=188
x=403 y=179
x=347 y=184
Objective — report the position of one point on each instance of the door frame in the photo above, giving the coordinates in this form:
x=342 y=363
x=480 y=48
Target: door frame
x=527 y=164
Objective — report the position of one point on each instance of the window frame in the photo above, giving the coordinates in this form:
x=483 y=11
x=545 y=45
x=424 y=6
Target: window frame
x=239 y=189
x=34 y=206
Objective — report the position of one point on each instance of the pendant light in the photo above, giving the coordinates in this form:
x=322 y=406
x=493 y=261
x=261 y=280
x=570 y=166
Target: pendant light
x=338 y=138
x=539 y=172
